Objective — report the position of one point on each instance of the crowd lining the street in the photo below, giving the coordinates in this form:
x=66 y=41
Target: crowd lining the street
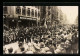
x=40 y=40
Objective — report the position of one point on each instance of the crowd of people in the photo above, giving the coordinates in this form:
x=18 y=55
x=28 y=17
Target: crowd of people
x=41 y=40
x=9 y=35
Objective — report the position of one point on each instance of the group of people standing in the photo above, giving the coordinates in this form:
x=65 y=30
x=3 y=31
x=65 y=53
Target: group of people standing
x=40 y=40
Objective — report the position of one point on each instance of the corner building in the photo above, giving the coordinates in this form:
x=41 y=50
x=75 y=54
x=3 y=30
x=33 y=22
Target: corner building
x=18 y=16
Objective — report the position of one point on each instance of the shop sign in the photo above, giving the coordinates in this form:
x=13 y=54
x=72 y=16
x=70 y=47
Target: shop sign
x=34 y=18
x=25 y=18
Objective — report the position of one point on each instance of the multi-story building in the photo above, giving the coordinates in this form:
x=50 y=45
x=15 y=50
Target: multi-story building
x=48 y=15
x=51 y=15
x=16 y=16
x=43 y=14
x=76 y=20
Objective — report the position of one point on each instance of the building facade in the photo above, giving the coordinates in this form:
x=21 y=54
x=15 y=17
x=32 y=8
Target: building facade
x=51 y=15
x=42 y=14
x=17 y=16
x=54 y=15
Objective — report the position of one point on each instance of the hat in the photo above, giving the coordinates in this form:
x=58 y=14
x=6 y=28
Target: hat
x=57 y=51
x=50 y=39
x=47 y=49
x=62 y=43
x=10 y=50
x=42 y=44
x=67 y=41
x=37 y=47
x=20 y=44
x=22 y=48
x=49 y=36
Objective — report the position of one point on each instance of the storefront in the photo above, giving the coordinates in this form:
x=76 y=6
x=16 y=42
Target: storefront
x=26 y=22
x=19 y=22
x=12 y=23
x=9 y=22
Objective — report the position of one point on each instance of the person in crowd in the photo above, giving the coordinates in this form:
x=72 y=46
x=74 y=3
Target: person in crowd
x=74 y=43
x=67 y=46
x=60 y=49
x=44 y=41
x=10 y=50
x=4 y=50
x=21 y=49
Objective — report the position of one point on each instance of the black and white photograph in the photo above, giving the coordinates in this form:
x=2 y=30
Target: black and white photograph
x=40 y=30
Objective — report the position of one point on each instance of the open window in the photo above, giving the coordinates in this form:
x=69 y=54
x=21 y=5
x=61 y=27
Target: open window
x=24 y=10
x=28 y=12
x=35 y=13
x=5 y=10
x=18 y=10
x=32 y=13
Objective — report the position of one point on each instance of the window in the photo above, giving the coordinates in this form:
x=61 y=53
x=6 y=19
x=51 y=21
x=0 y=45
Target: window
x=48 y=7
x=38 y=14
x=5 y=10
x=24 y=10
x=28 y=12
x=18 y=10
x=32 y=13
x=35 y=13
x=48 y=12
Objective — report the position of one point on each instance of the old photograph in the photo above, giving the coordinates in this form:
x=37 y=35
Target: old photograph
x=40 y=30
